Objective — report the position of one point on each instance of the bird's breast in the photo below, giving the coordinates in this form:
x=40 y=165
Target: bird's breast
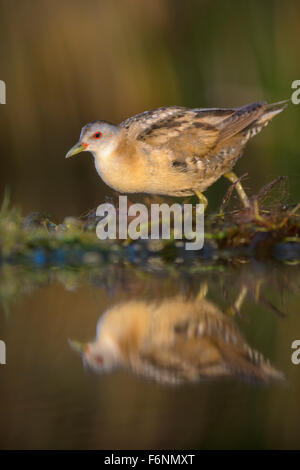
x=123 y=172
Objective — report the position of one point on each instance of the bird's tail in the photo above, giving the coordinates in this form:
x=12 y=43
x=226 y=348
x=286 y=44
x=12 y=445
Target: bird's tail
x=271 y=110
x=249 y=119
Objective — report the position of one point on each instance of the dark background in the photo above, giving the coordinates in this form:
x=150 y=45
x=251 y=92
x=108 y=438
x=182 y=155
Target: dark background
x=68 y=62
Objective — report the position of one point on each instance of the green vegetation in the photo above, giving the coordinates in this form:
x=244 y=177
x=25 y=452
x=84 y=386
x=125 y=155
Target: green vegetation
x=260 y=232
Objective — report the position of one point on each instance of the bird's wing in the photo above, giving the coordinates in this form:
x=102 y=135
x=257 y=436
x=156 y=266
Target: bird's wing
x=183 y=134
x=139 y=123
x=208 y=348
x=185 y=351
x=187 y=132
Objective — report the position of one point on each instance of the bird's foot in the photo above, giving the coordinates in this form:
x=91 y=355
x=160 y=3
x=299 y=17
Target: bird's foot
x=256 y=213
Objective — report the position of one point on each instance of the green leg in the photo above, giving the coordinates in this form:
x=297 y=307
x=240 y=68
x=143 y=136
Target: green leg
x=202 y=291
x=240 y=190
x=202 y=198
x=238 y=303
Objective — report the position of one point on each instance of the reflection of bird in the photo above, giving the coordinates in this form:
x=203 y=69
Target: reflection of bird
x=173 y=341
x=174 y=150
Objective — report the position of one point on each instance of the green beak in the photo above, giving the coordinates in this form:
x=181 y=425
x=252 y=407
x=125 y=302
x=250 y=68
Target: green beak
x=76 y=149
x=77 y=346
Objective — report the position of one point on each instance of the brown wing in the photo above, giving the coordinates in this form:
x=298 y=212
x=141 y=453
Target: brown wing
x=212 y=347
x=184 y=133
x=183 y=138
x=142 y=124
x=139 y=123
x=188 y=133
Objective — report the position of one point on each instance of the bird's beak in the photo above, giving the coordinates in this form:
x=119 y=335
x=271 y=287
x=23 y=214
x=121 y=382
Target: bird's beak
x=79 y=147
x=77 y=346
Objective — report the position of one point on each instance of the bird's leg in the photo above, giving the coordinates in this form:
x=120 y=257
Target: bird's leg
x=241 y=297
x=202 y=199
x=238 y=303
x=257 y=290
x=240 y=190
x=202 y=291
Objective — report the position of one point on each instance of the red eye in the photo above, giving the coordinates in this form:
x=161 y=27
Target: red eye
x=97 y=135
x=99 y=360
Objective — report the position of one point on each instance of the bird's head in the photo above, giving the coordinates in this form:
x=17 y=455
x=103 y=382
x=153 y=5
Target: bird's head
x=96 y=356
x=98 y=137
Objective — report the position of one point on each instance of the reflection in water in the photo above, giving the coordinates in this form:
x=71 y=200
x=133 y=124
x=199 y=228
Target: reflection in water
x=172 y=341
x=158 y=327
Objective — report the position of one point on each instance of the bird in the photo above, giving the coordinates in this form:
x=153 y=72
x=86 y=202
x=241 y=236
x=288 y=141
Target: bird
x=174 y=150
x=173 y=341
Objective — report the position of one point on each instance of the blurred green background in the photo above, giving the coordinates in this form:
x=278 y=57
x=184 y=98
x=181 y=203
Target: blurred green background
x=68 y=62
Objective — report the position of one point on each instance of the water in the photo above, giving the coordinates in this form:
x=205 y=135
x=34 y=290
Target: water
x=181 y=359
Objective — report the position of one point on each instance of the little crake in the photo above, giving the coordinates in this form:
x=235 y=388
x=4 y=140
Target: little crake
x=174 y=151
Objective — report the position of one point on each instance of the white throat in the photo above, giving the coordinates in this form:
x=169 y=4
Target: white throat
x=106 y=151
x=104 y=164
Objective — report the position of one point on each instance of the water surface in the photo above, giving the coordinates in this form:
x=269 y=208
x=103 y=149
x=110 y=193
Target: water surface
x=180 y=360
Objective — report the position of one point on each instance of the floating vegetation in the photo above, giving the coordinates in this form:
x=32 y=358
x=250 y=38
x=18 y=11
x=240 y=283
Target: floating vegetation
x=234 y=236
x=125 y=280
